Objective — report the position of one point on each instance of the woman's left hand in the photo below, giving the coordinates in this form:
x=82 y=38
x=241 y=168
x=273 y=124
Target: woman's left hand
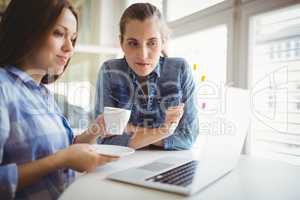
x=97 y=128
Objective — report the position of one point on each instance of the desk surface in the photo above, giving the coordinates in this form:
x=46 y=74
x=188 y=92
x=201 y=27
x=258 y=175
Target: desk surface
x=253 y=178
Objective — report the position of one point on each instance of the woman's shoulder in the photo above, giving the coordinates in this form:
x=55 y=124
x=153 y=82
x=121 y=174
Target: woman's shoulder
x=174 y=59
x=3 y=73
x=117 y=63
x=175 y=63
x=7 y=89
x=4 y=77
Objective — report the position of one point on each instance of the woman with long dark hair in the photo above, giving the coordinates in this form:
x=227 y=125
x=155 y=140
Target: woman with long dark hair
x=37 y=154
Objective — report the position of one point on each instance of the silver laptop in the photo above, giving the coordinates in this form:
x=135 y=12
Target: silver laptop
x=223 y=128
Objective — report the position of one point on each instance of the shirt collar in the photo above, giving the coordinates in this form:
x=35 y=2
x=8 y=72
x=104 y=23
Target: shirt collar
x=21 y=75
x=156 y=70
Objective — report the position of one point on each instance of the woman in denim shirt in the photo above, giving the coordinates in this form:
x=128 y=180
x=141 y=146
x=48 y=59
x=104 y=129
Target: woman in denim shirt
x=159 y=91
x=36 y=160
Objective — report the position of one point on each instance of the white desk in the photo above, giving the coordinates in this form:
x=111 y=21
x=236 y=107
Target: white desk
x=253 y=179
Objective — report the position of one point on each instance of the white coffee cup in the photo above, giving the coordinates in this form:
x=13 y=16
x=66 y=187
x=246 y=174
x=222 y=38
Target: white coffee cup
x=116 y=120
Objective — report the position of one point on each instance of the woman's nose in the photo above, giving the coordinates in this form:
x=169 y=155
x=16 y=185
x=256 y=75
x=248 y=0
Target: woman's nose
x=68 y=46
x=143 y=52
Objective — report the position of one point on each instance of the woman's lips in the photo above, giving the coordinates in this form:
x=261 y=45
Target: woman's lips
x=62 y=60
x=143 y=64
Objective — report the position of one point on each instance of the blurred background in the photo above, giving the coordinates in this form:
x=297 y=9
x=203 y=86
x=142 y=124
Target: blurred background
x=252 y=44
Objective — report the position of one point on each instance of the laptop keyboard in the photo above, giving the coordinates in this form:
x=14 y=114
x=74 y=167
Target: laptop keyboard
x=182 y=175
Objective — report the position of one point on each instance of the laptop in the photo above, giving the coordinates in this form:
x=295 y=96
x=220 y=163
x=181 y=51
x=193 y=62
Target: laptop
x=222 y=136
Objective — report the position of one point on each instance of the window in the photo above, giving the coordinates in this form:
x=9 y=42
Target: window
x=178 y=8
x=207 y=49
x=78 y=82
x=203 y=41
x=88 y=25
x=76 y=88
x=275 y=83
x=205 y=59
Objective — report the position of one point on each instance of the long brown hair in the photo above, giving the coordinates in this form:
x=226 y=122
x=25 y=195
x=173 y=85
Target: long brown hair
x=141 y=12
x=25 y=25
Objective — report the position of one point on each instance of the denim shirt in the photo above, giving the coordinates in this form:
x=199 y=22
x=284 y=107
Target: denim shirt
x=31 y=128
x=170 y=83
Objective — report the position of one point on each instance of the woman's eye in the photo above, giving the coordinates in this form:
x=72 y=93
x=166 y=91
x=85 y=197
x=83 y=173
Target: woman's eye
x=58 y=33
x=152 y=43
x=73 y=40
x=132 y=44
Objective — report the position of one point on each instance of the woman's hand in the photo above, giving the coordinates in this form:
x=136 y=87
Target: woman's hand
x=141 y=136
x=82 y=157
x=100 y=125
x=173 y=115
x=96 y=129
x=172 y=118
x=79 y=157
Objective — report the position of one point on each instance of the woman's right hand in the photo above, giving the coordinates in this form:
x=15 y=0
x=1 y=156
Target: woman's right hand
x=82 y=157
x=174 y=114
x=100 y=125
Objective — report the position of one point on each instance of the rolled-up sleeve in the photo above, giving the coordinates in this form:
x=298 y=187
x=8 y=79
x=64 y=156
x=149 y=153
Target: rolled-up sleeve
x=8 y=173
x=121 y=140
x=188 y=127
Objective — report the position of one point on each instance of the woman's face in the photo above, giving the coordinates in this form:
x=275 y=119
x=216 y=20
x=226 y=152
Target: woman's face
x=142 y=45
x=55 y=52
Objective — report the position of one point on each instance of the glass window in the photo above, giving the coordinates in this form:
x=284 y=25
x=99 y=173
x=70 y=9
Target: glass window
x=275 y=84
x=208 y=62
x=187 y=7
x=200 y=49
x=89 y=21
x=75 y=90
x=81 y=72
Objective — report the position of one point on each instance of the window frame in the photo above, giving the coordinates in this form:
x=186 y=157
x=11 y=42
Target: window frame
x=249 y=9
x=220 y=14
x=236 y=14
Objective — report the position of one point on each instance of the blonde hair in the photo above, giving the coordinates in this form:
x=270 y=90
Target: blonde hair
x=143 y=11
